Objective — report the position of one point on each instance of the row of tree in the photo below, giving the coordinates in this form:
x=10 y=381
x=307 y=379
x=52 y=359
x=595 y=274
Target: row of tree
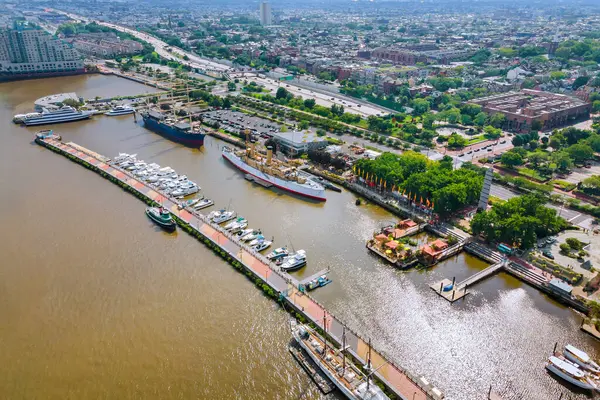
x=415 y=175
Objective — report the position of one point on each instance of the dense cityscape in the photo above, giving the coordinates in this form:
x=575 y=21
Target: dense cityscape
x=430 y=173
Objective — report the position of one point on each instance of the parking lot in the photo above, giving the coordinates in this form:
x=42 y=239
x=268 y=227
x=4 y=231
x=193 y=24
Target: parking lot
x=237 y=122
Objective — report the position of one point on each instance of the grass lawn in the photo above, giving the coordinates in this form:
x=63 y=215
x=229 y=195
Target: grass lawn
x=476 y=139
x=531 y=173
x=564 y=185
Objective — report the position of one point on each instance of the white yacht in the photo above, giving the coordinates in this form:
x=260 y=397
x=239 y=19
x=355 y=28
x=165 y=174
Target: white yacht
x=204 y=203
x=581 y=358
x=265 y=244
x=278 y=253
x=120 y=110
x=258 y=239
x=185 y=190
x=250 y=235
x=224 y=217
x=244 y=232
x=570 y=373
x=239 y=221
x=123 y=157
x=294 y=261
x=63 y=114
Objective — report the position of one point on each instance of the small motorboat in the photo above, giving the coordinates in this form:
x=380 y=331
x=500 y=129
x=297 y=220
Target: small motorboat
x=263 y=245
x=318 y=282
x=204 y=203
x=188 y=203
x=294 y=261
x=581 y=358
x=236 y=224
x=251 y=236
x=256 y=240
x=224 y=217
x=161 y=217
x=215 y=213
x=185 y=190
x=571 y=373
x=279 y=253
x=243 y=232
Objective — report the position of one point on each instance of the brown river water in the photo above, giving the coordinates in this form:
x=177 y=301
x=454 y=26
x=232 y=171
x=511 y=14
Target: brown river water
x=95 y=302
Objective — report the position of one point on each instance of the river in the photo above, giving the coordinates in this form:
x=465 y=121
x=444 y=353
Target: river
x=95 y=302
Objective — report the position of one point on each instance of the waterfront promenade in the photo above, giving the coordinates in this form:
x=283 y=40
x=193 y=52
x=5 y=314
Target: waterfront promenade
x=401 y=382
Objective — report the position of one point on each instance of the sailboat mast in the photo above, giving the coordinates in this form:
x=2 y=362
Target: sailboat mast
x=343 y=350
x=369 y=366
x=325 y=335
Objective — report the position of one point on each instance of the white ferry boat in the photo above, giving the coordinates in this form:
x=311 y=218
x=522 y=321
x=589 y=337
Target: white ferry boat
x=120 y=110
x=273 y=172
x=333 y=362
x=63 y=114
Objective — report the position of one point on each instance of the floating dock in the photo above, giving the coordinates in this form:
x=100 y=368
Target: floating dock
x=261 y=271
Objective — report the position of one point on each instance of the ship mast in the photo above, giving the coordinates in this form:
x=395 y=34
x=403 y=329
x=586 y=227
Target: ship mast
x=325 y=335
x=343 y=350
x=369 y=366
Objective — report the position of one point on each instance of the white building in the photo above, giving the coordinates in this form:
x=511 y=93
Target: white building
x=266 y=17
x=27 y=51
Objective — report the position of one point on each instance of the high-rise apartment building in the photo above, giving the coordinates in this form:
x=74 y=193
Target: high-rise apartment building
x=265 y=14
x=27 y=51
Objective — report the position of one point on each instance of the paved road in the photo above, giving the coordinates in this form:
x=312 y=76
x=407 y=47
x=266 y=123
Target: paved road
x=322 y=99
x=160 y=46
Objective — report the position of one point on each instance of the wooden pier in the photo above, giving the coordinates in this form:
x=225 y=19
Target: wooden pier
x=459 y=290
x=263 y=273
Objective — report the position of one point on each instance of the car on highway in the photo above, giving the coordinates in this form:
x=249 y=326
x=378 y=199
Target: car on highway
x=461 y=155
x=470 y=152
x=489 y=149
x=502 y=142
x=476 y=150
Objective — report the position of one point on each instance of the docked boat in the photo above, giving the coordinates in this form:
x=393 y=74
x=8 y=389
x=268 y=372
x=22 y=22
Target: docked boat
x=236 y=224
x=188 y=203
x=204 y=203
x=318 y=282
x=224 y=217
x=581 y=358
x=161 y=217
x=122 y=157
x=251 y=235
x=243 y=232
x=275 y=172
x=262 y=245
x=294 y=261
x=344 y=374
x=258 y=239
x=63 y=114
x=120 y=110
x=174 y=130
x=185 y=190
x=278 y=253
x=570 y=372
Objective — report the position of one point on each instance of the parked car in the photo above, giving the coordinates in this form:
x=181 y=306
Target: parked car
x=547 y=254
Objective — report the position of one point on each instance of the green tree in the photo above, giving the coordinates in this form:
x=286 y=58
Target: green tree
x=309 y=103
x=497 y=120
x=231 y=86
x=420 y=106
x=281 y=93
x=580 y=152
x=304 y=124
x=428 y=120
x=491 y=132
x=480 y=119
x=562 y=160
x=511 y=159
x=456 y=141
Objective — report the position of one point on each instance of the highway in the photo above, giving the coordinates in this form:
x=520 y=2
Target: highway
x=160 y=47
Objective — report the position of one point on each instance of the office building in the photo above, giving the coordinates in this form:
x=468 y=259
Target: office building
x=27 y=51
x=265 y=14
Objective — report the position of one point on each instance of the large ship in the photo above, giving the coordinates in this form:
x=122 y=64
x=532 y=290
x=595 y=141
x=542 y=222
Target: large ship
x=348 y=378
x=268 y=171
x=63 y=114
x=172 y=129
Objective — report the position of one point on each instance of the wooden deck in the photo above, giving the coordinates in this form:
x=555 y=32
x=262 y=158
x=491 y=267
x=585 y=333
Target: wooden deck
x=401 y=382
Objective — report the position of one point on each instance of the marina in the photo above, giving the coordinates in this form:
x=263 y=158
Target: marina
x=398 y=380
x=144 y=268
